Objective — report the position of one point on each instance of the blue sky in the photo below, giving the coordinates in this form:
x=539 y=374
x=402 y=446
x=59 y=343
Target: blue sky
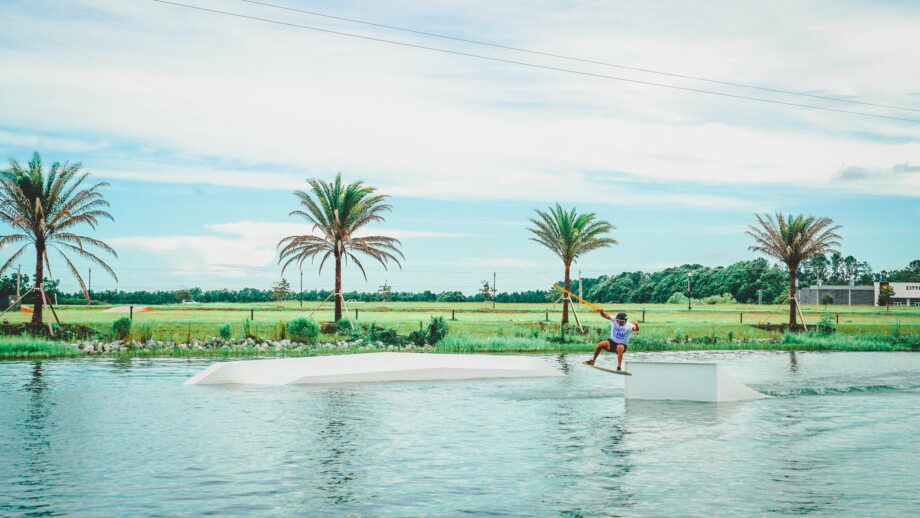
x=203 y=125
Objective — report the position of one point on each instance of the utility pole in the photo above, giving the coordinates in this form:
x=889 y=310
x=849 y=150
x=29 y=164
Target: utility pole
x=89 y=289
x=580 y=294
x=18 y=275
x=888 y=296
x=301 y=287
x=689 y=275
x=494 y=292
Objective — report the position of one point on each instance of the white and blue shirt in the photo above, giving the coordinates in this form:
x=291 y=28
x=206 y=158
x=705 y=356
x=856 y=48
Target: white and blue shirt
x=620 y=334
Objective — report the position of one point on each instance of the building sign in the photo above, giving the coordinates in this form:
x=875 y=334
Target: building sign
x=902 y=293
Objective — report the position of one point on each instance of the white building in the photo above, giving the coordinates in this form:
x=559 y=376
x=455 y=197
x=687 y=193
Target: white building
x=904 y=293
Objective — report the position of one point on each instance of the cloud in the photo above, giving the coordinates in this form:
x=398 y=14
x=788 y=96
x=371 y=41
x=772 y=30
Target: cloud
x=264 y=107
x=904 y=173
x=905 y=168
x=853 y=173
x=240 y=247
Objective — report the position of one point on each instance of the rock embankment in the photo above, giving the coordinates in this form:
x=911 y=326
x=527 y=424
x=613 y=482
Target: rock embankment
x=248 y=345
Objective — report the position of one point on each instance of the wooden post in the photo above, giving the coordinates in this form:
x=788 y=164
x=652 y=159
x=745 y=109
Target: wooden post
x=252 y=314
x=53 y=312
x=741 y=317
x=643 y=316
x=547 y=315
x=838 y=318
x=356 y=313
x=41 y=288
x=131 y=312
x=453 y=314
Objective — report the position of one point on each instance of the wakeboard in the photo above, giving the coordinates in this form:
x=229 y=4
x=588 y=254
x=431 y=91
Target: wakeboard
x=607 y=369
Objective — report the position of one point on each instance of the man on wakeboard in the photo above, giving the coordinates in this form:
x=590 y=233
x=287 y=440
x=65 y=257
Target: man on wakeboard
x=620 y=331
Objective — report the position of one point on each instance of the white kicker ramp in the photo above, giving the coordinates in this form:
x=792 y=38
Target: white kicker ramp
x=685 y=382
x=355 y=368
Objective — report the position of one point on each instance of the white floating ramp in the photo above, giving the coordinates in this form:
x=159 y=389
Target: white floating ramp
x=685 y=382
x=369 y=367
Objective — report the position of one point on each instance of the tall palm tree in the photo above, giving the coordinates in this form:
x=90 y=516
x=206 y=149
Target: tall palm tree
x=570 y=235
x=338 y=212
x=44 y=207
x=793 y=239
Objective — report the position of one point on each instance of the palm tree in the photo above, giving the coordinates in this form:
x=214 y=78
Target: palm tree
x=43 y=208
x=570 y=235
x=338 y=212
x=793 y=239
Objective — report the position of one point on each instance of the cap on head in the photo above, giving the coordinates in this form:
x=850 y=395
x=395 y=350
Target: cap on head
x=621 y=317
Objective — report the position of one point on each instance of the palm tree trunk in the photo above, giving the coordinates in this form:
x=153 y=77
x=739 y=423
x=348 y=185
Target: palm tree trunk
x=37 y=307
x=565 y=300
x=793 y=304
x=338 y=286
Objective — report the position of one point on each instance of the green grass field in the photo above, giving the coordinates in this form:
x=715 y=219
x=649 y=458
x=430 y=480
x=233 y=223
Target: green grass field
x=179 y=323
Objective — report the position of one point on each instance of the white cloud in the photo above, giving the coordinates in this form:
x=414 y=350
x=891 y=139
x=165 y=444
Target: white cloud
x=240 y=247
x=278 y=105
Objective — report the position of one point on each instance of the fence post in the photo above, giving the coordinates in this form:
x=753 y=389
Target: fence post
x=131 y=310
x=453 y=314
x=741 y=317
x=356 y=313
x=419 y=325
x=643 y=316
x=838 y=318
x=252 y=314
x=547 y=315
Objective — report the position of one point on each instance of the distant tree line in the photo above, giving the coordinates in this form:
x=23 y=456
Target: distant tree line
x=741 y=280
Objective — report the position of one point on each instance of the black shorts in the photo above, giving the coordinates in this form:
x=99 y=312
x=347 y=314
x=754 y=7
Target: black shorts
x=611 y=346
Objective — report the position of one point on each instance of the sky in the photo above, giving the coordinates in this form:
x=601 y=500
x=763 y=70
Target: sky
x=203 y=124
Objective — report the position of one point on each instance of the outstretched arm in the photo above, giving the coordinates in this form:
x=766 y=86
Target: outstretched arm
x=603 y=315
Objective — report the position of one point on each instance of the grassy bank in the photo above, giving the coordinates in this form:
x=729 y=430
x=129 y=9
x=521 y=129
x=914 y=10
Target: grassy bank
x=27 y=347
x=175 y=322
x=18 y=348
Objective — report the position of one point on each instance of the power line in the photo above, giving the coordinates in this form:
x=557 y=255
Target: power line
x=89 y=57
x=534 y=65
x=573 y=58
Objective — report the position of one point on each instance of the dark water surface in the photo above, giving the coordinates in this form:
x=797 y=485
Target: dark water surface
x=125 y=437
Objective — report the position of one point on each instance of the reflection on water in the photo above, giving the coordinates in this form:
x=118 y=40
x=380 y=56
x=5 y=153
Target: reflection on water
x=125 y=437
x=339 y=437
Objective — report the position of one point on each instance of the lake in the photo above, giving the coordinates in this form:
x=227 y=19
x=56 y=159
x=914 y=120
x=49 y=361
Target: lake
x=124 y=437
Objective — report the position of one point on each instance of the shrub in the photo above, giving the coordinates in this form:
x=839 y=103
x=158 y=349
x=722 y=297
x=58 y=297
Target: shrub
x=143 y=333
x=826 y=325
x=677 y=298
x=225 y=332
x=389 y=336
x=121 y=328
x=303 y=330
x=437 y=329
x=344 y=327
x=418 y=337
x=725 y=298
x=281 y=330
x=247 y=329
x=679 y=335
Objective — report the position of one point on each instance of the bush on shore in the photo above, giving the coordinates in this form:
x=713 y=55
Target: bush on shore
x=302 y=330
x=121 y=328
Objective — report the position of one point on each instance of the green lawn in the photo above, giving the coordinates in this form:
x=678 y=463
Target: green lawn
x=178 y=322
